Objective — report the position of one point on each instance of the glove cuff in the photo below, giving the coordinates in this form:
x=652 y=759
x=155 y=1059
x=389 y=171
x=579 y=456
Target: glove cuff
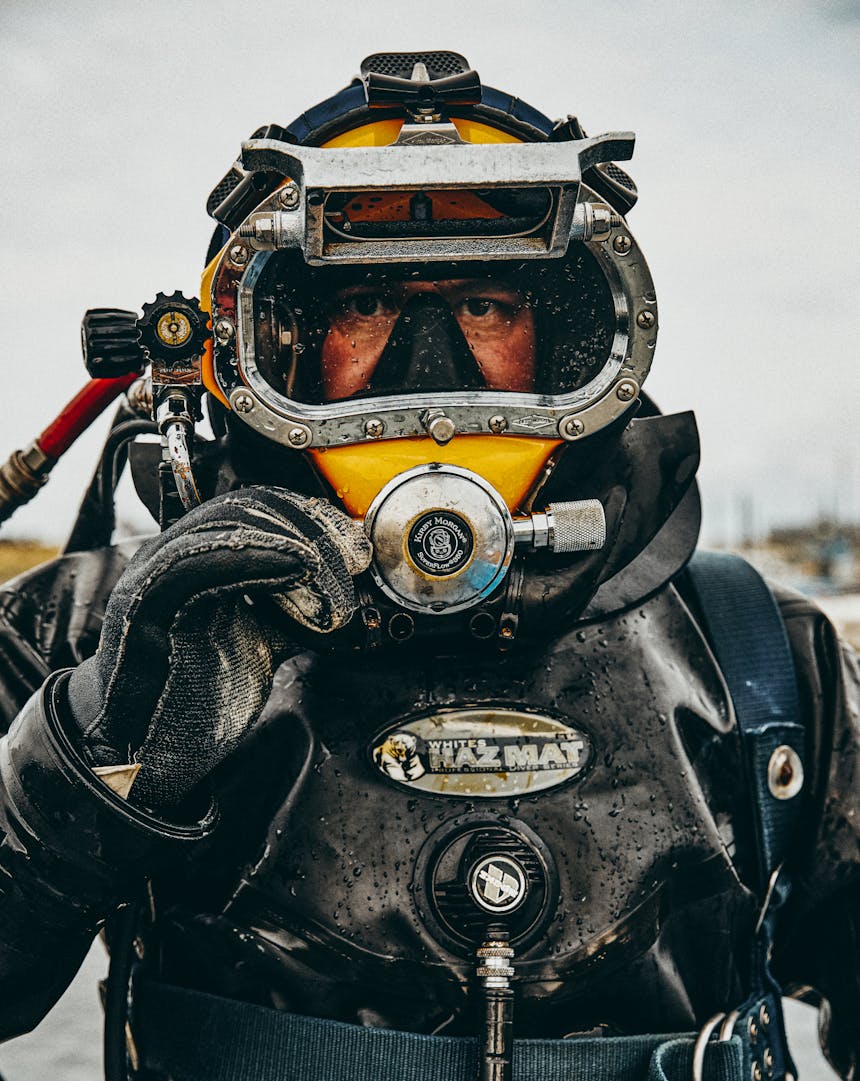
x=79 y=824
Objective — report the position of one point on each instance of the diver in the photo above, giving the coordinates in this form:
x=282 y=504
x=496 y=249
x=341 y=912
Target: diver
x=416 y=741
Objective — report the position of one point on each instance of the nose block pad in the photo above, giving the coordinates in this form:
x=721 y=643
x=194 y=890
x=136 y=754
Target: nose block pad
x=426 y=351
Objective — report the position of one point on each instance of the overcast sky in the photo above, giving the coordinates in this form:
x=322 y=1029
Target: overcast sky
x=118 y=120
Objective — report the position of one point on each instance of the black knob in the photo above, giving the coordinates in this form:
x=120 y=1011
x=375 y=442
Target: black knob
x=172 y=328
x=110 y=344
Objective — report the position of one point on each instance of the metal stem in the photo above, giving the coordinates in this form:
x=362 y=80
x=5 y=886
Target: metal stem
x=495 y=1042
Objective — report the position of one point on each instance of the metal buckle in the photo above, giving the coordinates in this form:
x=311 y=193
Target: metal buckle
x=727 y=1022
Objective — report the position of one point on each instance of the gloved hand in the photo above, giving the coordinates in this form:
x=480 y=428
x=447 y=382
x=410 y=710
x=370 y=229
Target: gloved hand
x=197 y=626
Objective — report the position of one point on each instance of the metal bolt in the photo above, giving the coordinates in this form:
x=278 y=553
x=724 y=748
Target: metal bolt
x=297 y=436
x=573 y=427
x=223 y=330
x=439 y=426
x=238 y=255
x=288 y=197
x=646 y=320
x=498 y=423
x=507 y=632
x=374 y=428
x=753 y=1029
x=243 y=403
x=626 y=390
x=764 y=1016
x=622 y=244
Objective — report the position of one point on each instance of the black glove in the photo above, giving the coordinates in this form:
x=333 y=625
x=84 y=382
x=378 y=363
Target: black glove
x=197 y=626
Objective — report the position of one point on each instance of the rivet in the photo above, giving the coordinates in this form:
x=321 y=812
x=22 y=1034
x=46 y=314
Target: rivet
x=626 y=390
x=243 y=403
x=768 y=1059
x=374 y=428
x=482 y=625
x=784 y=772
x=756 y=1072
x=573 y=427
x=646 y=320
x=297 y=436
x=497 y=423
x=288 y=197
x=401 y=626
x=753 y=1029
x=223 y=330
x=764 y=1015
x=238 y=255
x=622 y=244
x=507 y=632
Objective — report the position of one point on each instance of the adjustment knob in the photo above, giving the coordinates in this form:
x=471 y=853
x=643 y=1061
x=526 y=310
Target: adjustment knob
x=109 y=343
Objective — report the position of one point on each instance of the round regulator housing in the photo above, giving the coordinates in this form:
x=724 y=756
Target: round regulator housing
x=442 y=537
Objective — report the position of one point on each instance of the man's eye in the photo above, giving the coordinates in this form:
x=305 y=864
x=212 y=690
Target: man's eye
x=479 y=306
x=368 y=304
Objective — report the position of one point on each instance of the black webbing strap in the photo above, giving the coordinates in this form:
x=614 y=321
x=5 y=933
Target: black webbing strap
x=191 y=1036
x=747 y=633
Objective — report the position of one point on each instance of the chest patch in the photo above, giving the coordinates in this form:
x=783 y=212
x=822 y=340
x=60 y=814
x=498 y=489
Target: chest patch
x=487 y=752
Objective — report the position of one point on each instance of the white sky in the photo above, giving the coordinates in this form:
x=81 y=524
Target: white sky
x=118 y=120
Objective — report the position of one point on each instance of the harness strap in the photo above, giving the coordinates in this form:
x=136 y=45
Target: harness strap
x=747 y=633
x=192 y=1036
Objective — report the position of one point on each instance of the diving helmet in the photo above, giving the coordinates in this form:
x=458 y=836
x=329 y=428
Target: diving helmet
x=430 y=290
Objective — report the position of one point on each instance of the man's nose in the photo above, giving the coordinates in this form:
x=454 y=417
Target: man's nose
x=426 y=351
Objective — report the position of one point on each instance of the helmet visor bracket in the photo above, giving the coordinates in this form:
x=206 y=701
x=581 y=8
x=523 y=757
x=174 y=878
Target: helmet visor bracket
x=324 y=178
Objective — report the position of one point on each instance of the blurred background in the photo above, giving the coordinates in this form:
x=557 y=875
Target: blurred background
x=119 y=120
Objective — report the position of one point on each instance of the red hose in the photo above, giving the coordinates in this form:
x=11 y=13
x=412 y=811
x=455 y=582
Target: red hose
x=80 y=412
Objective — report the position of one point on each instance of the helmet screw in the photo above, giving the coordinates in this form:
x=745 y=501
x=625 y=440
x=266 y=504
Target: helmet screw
x=238 y=255
x=288 y=197
x=646 y=320
x=497 y=424
x=374 y=428
x=622 y=244
x=297 y=437
x=223 y=330
x=243 y=403
x=626 y=390
x=572 y=427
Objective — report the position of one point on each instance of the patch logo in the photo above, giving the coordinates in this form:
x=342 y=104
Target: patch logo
x=440 y=543
x=481 y=752
x=498 y=884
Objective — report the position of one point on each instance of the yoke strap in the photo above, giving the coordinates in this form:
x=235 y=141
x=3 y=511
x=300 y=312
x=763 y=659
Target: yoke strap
x=748 y=636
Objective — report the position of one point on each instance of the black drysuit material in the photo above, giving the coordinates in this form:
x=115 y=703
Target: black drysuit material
x=306 y=894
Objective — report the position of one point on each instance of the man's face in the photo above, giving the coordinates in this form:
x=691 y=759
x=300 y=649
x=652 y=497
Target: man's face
x=494 y=317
